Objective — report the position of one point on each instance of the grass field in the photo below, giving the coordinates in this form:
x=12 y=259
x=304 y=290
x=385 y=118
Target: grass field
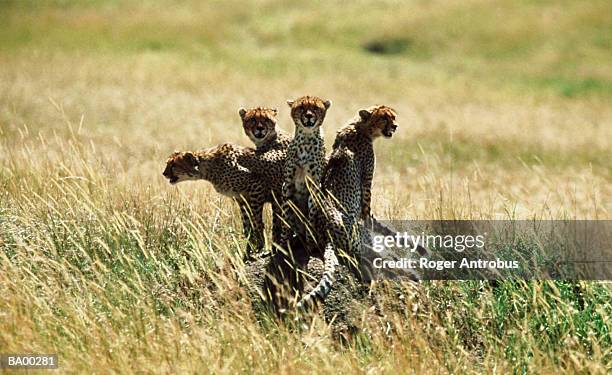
x=504 y=112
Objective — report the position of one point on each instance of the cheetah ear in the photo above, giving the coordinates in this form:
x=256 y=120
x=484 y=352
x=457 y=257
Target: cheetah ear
x=242 y=112
x=275 y=111
x=327 y=104
x=290 y=102
x=190 y=157
x=364 y=114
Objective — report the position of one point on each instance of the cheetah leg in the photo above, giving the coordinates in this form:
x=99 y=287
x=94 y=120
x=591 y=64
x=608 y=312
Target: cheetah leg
x=277 y=220
x=252 y=224
x=317 y=205
x=366 y=204
x=366 y=192
x=286 y=223
x=293 y=219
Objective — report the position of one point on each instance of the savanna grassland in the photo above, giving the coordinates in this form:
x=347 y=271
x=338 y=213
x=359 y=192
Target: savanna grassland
x=504 y=110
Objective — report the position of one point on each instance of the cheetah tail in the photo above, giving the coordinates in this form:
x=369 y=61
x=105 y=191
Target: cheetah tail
x=325 y=284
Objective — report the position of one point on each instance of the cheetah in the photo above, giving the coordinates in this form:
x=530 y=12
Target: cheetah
x=259 y=124
x=347 y=184
x=358 y=136
x=230 y=168
x=305 y=160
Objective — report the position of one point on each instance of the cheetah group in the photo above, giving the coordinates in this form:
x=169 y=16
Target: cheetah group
x=320 y=204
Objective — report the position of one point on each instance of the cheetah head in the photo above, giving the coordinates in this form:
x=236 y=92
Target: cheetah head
x=182 y=166
x=379 y=121
x=308 y=112
x=259 y=123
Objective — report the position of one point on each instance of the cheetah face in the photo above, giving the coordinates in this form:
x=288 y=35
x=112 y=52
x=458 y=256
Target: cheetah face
x=380 y=121
x=308 y=112
x=389 y=128
x=182 y=166
x=259 y=123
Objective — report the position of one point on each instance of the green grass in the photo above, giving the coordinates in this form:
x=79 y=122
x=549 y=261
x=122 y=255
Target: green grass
x=565 y=46
x=571 y=87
